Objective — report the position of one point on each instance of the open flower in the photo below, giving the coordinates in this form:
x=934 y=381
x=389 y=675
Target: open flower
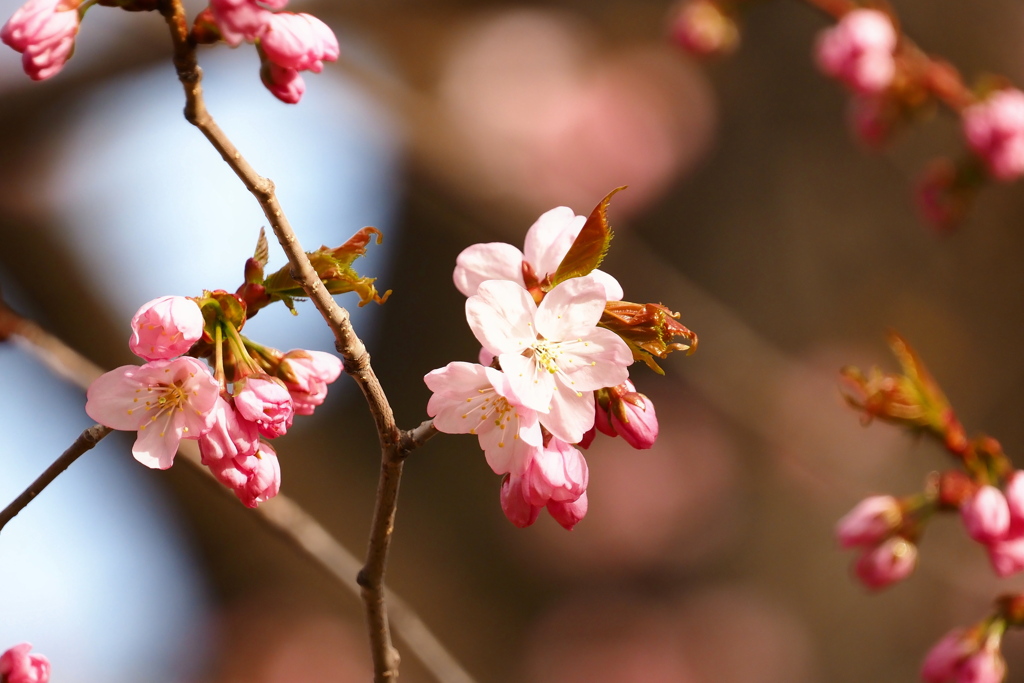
x=547 y=242
x=165 y=401
x=473 y=399
x=554 y=355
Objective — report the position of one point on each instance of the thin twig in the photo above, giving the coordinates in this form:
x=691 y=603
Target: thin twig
x=85 y=441
x=285 y=516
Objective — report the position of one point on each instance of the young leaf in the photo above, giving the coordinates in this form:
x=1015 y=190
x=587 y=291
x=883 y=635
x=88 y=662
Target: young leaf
x=587 y=252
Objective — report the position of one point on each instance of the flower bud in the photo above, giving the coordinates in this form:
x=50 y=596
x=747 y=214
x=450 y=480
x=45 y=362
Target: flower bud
x=892 y=560
x=872 y=521
x=701 y=28
x=18 y=666
x=239 y=20
x=231 y=436
x=633 y=418
x=266 y=402
x=298 y=41
x=859 y=51
x=1007 y=556
x=254 y=478
x=166 y=328
x=558 y=472
x=941 y=662
x=43 y=31
x=986 y=515
x=569 y=513
x=514 y=503
x=1014 y=492
x=984 y=666
x=994 y=129
x=284 y=84
x=306 y=375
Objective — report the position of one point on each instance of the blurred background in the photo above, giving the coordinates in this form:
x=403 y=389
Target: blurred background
x=786 y=246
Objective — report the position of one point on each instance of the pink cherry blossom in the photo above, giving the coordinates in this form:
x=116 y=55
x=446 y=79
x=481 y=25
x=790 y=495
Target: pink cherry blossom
x=558 y=472
x=299 y=41
x=554 y=355
x=306 y=375
x=569 y=513
x=18 y=666
x=165 y=401
x=43 y=31
x=873 y=520
x=984 y=666
x=1007 y=556
x=266 y=402
x=631 y=415
x=986 y=515
x=230 y=435
x=473 y=399
x=941 y=662
x=994 y=129
x=286 y=85
x=890 y=561
x=547 y=242
x=859 y=51
x=165 y=328
x=514 y=503
x=240 y=20
x=1014 y=492
x=254 y=478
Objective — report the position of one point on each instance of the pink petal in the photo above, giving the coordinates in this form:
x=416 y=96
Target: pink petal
x=112 y=399
x=571 y=414
x=482 y=262
x=571 y=309
x=549 y=238
x=601 y=359
x=158 y=442
x=501 y=316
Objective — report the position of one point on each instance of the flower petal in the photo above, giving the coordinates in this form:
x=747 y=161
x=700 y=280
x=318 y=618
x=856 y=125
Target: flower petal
x=158 y=441
x=612 y=288
x=571 y=414
x=531 y=384
x=501 y=317
x=549 y=238
x=482 y=262
x=600 y=359
x=112 y=399
x=572 y=309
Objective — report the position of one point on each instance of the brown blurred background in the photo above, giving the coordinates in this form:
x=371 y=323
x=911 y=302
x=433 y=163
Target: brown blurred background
x=787 y=247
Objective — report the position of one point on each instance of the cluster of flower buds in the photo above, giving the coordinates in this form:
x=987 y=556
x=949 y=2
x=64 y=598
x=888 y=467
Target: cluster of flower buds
x=287 y=42
x=547 y=350
x=986 y=490
x=17 y=665
x=858 y=51
x=44 y=31
x=253 y=391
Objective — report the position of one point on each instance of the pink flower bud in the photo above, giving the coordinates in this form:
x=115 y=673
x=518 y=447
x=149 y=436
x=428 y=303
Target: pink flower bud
x=1007 y=556
x=254 y=478
x=1014 y=492
x=239 y=20
x=266 y=402
x=231 y=435
x=569 y=513
x=558 y=472
x=44 y=32
x=891 y=561
x=872 y=521
x=701 y=28
x=994 y=129
x=18 y=666
x=284 y=84
x=602 y=420
x=166 y=328
x=633 y=418
x=984 y=666
x=514 y=503
x=299 y=41
x=859 y=51
x=941 y=662
x=986 y=515
x=306 y=375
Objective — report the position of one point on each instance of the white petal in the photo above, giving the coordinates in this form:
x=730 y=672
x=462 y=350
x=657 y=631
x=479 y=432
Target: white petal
x=548 y=240
x=505 y=449
x=571 y=414
x=158 y=442
x=457 y=378
x=531 y=384
x=482 y=262
x=600 y=359
x=571 y=309
x=612 y=288
x=501 y=316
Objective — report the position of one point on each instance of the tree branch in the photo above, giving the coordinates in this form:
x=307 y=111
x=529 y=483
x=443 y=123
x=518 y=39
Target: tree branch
x=85 y=441
x=286 y=517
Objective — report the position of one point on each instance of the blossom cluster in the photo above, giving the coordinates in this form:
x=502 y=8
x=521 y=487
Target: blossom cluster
x=44 y=31
x=551 y=373
x=986 y=491
x=18 y=665
x=173 y=397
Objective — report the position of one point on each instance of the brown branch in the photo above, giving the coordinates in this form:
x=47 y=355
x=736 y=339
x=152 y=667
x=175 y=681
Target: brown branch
x=286 y=517
x=357 y=360
x=85 y=441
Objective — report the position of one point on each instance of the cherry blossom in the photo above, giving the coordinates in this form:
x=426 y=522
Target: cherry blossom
x=556 y=478
x=165 y=328
x=554 y=355
x=959 y=658
x=890 y=561
x=298 y=41
x=859 y=51
x=18 y=666
x=986 y=515
x=165 y=401
x=994 y=129
x=230 y=435
x=43 y=31
x=547 y=242
x=473 y=399
x=873 y=520
x=306 y=375
x=255 y=478
x=266 y=402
